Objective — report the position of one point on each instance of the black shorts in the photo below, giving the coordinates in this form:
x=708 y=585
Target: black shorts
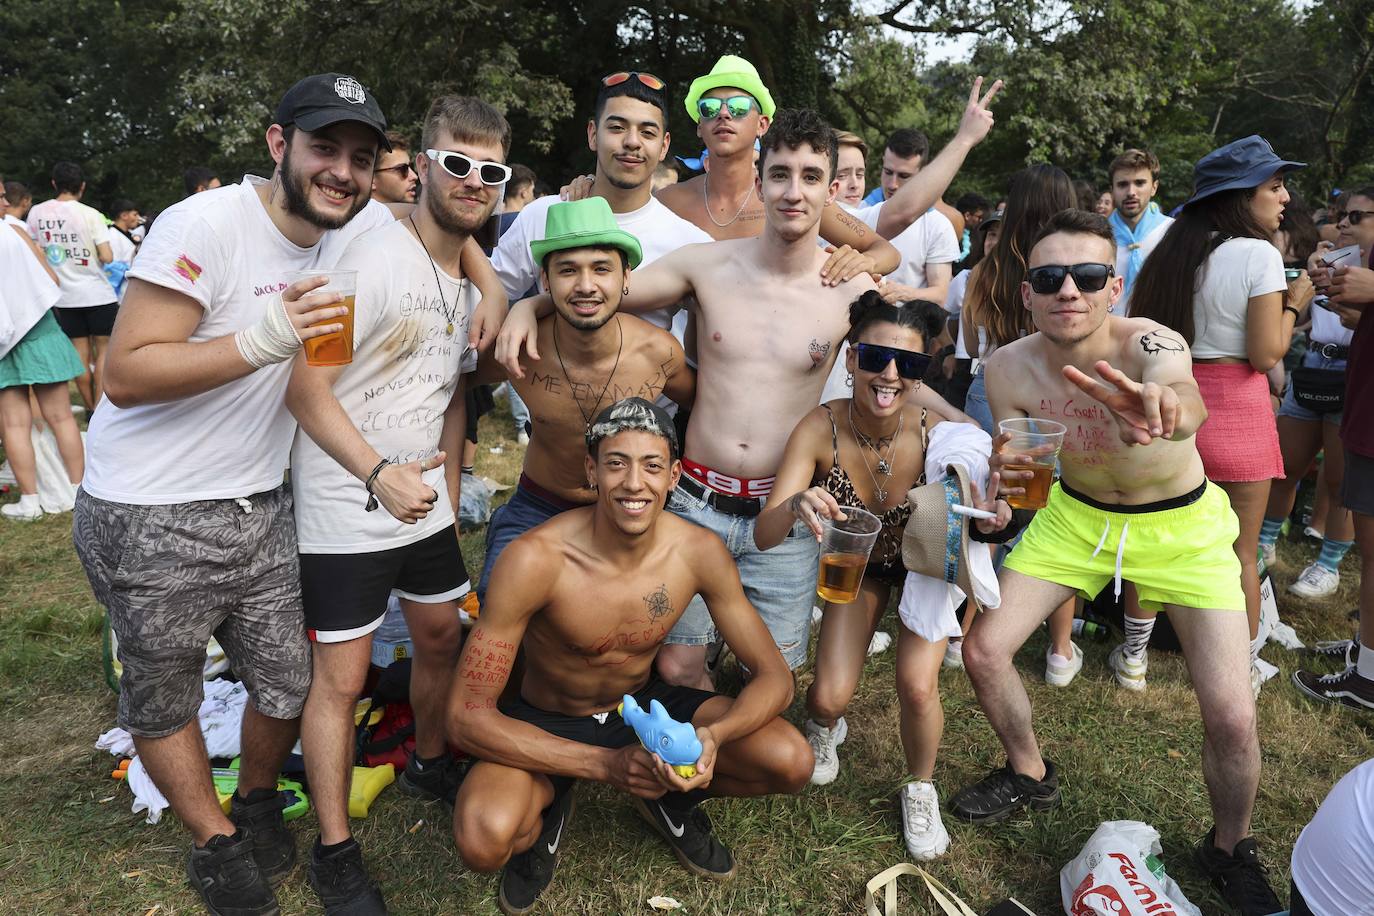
x=93 y=321
x=1357 y=486
x=608 y=729
x=345 y=594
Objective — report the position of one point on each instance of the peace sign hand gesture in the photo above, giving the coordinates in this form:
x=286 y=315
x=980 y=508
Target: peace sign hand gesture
x=1144 y=411
x=977 y=119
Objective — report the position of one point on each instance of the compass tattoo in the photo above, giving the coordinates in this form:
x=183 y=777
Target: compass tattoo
x=657 y=602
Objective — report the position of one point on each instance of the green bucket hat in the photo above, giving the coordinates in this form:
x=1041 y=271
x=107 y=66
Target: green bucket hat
x=735 y=72
x=586 y=223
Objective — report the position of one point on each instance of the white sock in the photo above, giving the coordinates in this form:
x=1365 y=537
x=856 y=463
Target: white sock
x=1364 y=665
x=1255 y=645
x=29 y=501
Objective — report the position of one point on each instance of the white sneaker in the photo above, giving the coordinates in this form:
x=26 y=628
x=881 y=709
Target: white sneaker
x=522 y=438
x=1129 y=672
x=1316 y=581
x=26 y=510
x=1269 y=553
x=880 y=643
x=823 y=743
x=954 y=654
x=1060 y=671
x=1256 y=679
x=922 y=827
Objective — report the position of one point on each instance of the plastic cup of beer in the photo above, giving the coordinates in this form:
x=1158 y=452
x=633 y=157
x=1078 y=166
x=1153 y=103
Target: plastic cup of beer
x=845 y=546
x=1039 y=440
x=334 y=349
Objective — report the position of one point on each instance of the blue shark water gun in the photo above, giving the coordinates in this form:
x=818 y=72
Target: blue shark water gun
x=676 y=743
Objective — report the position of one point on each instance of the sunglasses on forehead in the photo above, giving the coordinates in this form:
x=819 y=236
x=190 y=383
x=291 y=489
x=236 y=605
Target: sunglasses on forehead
x=1089 y=278
x=648 y=79
x=875 y=357
x=737 y=105
x=459 y=166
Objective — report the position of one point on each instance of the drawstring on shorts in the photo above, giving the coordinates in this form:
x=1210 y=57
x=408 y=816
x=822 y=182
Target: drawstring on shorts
x=1120 y=549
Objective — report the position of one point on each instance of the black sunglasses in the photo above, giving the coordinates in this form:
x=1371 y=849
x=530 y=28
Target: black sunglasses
x=1357 y=216
x=1089 y=278
x=875 y=357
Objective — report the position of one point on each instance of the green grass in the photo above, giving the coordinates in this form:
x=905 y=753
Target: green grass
x=69 y=844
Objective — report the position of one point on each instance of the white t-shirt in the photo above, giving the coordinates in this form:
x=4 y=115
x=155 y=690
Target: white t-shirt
x=68 y=231
x=658 y=229
x=222 y=249
x=929 y=240
x=26 y=290
x=121 y=247
x=16 y=221
x=1237 y=271
x=404 y=371
x=1333 y=860
x=1327 y=327
x=954 y=299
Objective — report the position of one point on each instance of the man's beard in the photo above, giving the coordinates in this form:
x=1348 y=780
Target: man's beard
x=451 y=222
x=586 y=323
x=296 y=189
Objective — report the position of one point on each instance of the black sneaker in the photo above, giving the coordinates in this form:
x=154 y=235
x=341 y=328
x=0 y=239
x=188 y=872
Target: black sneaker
x=1344 y=651
x=1346 y=688
x=689 y=835
x=1002 y=793
x=260 y=817
x=436 y=781
x=529 y=872
x=341 y=880
x=1239 y=877
x=228 y=880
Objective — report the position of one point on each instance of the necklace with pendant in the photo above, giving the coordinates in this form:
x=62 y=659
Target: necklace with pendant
x=884 y=463
x=449 y=315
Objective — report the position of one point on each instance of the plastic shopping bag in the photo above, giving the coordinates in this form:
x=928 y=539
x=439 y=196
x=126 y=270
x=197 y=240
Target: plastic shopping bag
x=1119 y=873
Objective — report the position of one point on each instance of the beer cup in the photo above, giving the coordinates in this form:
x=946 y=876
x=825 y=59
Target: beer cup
x=845 y=546
x=335 y=349
x=1040 y=440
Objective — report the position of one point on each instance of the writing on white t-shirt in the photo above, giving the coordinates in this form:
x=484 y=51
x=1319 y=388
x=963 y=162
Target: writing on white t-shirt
x=68 y=231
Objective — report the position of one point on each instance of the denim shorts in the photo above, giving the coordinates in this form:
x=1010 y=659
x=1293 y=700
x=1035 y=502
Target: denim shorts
x=523 y=511
x=976 y=405
x=780 y=583
x=1290 y=406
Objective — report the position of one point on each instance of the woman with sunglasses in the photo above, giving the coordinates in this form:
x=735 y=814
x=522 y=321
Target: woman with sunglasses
x=1216 y=278
x=1303 y=431
x=868 y=451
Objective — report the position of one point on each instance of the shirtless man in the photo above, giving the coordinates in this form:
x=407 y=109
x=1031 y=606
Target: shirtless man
x=733 y=108
x=642 y=566
x=767 y=331
x=599 y=357
x=1132 y=502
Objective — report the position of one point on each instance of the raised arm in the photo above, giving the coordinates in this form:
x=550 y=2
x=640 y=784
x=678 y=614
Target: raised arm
x=769 y=691
x=491 y=309
x=152 y=358
x=793 y=497
x=924 y=188
x=868 y=251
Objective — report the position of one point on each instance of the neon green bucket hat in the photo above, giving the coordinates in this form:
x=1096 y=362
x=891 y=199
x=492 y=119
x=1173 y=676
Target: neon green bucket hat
x=586 y=223
x=735 y=72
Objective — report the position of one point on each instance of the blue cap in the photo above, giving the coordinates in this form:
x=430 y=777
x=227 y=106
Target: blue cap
x=1244 y=163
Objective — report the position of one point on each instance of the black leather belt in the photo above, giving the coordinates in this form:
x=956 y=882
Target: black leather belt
x=730 y=505
x=1330 y=351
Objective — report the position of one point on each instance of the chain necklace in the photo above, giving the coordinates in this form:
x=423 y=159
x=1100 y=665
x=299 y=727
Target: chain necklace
x=450 y=315
x=884 y=464
x=706 y=199
x=573 y=385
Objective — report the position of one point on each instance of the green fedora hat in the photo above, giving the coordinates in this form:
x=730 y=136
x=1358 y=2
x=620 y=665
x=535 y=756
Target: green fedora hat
x=586 y=223
x=734 y=72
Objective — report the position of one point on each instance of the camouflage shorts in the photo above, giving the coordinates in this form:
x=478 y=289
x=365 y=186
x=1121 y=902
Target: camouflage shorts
x=173 y=576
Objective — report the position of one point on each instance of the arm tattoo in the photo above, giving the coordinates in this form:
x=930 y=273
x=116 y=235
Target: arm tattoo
x=1155 y=342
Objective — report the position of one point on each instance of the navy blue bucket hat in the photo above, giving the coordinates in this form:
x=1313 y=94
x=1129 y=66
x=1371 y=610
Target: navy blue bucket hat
x=1244 y=163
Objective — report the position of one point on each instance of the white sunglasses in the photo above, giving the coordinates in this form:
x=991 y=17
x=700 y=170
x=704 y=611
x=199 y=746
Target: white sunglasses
x=459 y=166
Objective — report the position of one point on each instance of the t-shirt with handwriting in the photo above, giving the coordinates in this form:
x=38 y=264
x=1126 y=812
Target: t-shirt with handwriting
x=68 y=231
x=405 y=368
x=222 y=250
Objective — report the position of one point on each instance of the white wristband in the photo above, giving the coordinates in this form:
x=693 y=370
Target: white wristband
x=272 y=340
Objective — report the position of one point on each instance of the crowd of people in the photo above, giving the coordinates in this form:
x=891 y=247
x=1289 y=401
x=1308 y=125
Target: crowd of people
x=708 y=373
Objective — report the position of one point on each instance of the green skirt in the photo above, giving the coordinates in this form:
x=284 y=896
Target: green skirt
x=44 y=356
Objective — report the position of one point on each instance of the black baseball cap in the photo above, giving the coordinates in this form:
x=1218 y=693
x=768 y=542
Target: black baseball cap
x=328 y=98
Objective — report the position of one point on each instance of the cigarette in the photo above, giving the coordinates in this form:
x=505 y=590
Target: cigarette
x=972 y=512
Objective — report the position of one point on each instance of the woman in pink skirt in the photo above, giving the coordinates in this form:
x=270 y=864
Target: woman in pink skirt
x=1217 y=279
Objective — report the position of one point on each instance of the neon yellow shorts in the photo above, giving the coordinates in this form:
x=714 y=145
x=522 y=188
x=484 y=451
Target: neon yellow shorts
x=1174 y=554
